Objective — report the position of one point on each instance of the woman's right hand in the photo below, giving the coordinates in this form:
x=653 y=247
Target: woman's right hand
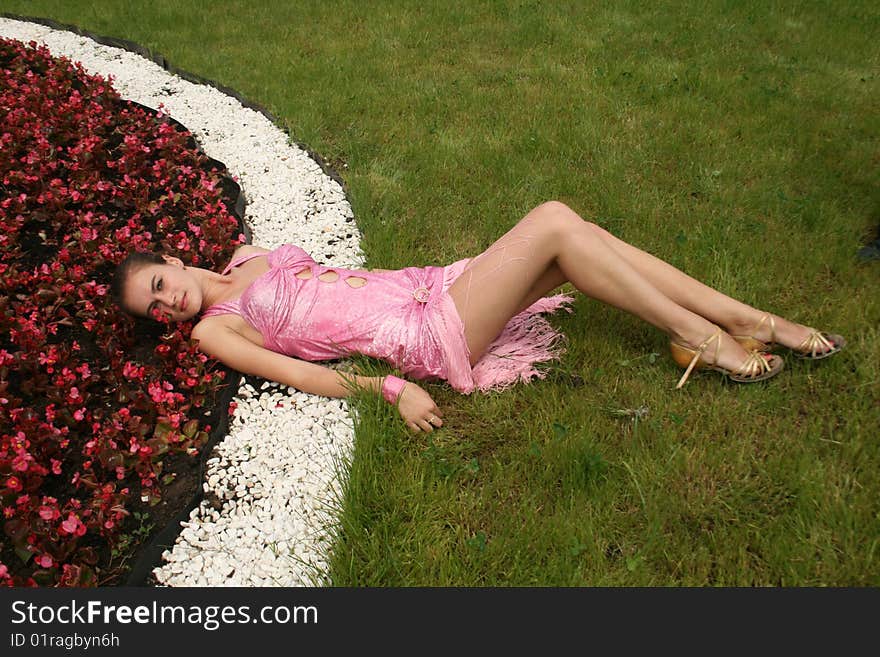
x=418 y=409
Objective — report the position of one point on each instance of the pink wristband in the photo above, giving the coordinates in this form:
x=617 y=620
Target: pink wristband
x=391 y=388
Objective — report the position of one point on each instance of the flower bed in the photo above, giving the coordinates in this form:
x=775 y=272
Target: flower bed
x=92 y=404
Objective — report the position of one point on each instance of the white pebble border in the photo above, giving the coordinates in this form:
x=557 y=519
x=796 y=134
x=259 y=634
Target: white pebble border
x=278 y=473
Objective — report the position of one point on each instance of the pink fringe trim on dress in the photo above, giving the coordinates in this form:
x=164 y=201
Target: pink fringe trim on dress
x=527 y=339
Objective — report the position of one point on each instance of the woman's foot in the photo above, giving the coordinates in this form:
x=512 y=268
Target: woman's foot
x=759 y=328
x=719 y=351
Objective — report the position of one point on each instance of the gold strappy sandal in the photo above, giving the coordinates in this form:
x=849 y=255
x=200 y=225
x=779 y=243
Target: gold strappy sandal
x=816 y=346
x=819 y=345
x=754 y=368
x=751 y=343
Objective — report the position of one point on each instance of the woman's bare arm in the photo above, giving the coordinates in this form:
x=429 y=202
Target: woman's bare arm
x=234 y=350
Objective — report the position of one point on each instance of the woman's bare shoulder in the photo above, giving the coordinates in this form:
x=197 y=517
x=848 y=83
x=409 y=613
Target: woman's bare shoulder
x=248 y=249
x=215 y=325
x=215 y=322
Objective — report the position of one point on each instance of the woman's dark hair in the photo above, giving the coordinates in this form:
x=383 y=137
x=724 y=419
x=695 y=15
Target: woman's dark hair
x=132 y=262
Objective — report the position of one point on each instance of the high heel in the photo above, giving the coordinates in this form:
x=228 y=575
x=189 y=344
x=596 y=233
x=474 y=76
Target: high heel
x=750 y=343
x=754 y=368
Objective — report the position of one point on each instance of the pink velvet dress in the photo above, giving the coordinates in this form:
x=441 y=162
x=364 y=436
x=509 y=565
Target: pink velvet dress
x=405 y=317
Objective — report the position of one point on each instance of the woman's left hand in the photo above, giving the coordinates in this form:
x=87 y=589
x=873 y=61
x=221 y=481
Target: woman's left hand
x=418 y=409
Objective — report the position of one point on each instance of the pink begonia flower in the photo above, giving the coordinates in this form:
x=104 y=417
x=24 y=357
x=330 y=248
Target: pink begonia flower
x=131 y=371
x=73 y=525
x=49 y=513
x=44 y=560
x=20 y=463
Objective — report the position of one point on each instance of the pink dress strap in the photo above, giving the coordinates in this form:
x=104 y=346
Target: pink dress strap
x=240 y=261
x=230 y=307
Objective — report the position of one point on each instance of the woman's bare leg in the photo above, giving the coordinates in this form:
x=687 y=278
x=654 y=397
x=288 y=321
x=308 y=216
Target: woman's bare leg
x=735 y=316
x=552 y=245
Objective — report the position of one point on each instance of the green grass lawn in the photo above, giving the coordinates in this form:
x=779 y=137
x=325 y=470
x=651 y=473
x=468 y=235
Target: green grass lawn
x=737 y=140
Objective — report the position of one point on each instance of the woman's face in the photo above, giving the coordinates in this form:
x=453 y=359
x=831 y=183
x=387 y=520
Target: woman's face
x=167 y=288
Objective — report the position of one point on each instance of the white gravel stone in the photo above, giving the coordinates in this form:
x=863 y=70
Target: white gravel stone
x=277 y=470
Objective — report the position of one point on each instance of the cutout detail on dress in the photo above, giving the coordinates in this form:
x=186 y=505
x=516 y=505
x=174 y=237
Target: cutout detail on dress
x=331 y=276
